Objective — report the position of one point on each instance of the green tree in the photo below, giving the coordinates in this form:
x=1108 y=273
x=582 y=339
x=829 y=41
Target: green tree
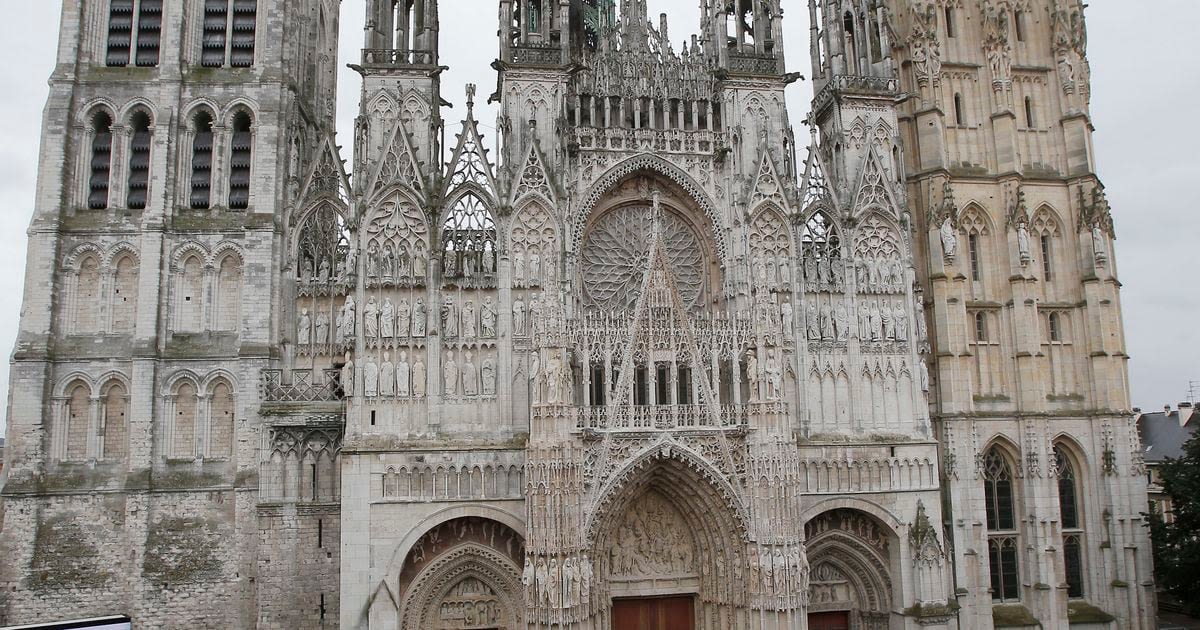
x=1177 y=544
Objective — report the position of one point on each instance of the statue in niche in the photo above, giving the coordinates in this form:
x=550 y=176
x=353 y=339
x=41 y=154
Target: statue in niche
x=519 y=268
x=387 y=377
x=527 y=577
x=535 y=313
x=760 y=272
x=752 y=374
x=861 y=277
x=586 y=576
x=351 y=268
x=1099 y=246
x=785 y=272
x=387 y=319
x=371 y=319
x=489 y=376
x=489 y=261
x=535 y=267
x=322 y=328
x=419 y=318
x=889 y=321
x=323 y=271
x=813 y=322
x=487 y=317
x=448 y=261
x=553 y=582
x=901 y=319
x=864 y=322
x=306 y=274
x=772 y=272
x=372 y=261
x=449 y=319
x=304 y=328
x=403 y=376
x=470 y=376
x=371 y=378
x=786 y=320
x=348 y=376
x=839 y=273
x=541 y=579
x=920 y=300
x=346 y=322
x=810 y=269
x=519 y=316
x=450 y=375
x=949 y=239
x=470 y=264
x=468 y=320
x=828 y=333
x=841 y=321
x=774 y=376
x=924 y=375
x=403 y=318
x=403 y=263
x=876 y=322
x=418 y=261
x=1023 y=243
x=823 y=271
x=419 y=382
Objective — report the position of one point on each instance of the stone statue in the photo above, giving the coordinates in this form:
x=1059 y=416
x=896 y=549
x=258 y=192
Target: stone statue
x=876 y=322
x=924 y=376
x=901 y=323
x=322 y=328
x=1098 y=245
x=864 y=322
x=372 y=261
x=519 y=268
x=1023 y=243
x=371 y=319
x=813 y=322
x=470 y=377
x=403 y=376
x=752 y=374
x=774 y=376
x=323 y=271
x=786 y=319
x=420 y=384
x=489 y=376
x=371 y=378
x=469 y=322
x=888 y=316
x=348 y=376
x=949 y=239
x=403 y=318
x=487 y=315
x=387 y=319
x=519 y=316
x=841 y=321
x=449 y=319
x=304 y=328
x=347 y=319
x=450 y=375
x=535 y=267
x=387 y=377
x=419 y=318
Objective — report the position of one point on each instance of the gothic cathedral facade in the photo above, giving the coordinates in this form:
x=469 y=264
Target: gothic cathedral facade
x=659 y=360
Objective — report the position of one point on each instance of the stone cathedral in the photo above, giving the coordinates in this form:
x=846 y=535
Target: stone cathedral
x=657 y=360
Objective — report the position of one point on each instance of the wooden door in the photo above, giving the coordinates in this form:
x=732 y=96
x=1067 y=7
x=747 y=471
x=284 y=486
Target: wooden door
x=664 y=613
x=829 y=621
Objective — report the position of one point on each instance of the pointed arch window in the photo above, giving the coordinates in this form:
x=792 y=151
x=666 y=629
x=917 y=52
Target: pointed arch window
x=139 y=161
x=229 y=33
x=1045 y=229
x=202 y=161
x=821 y=256
x=1072 y=522
x=101 y=162
x=115 y=422
x=240 y=157
x=1000 y=506
x=469 y=239
x=951 y=27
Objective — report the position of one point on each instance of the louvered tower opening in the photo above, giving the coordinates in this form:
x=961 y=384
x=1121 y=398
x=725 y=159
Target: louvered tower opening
x=120 y=32
x=216 y=20
x=101 y=163
x=245 y=17
x=139 y=161
x=149 y=32
x=239 y=162
x=202 y=154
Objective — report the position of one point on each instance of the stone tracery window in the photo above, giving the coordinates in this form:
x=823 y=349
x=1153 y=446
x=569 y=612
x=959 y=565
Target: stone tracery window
x=878 y=263
x=1000 y=506
x=469 y=239
x=614 y=257
x=1071 y=520
x=397 y=243
x=821 y=259
x=533 y=235
x=323 y=246
x=1045 y=228
x=771 y=250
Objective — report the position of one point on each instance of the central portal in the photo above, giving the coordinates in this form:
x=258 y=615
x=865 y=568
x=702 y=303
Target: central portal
x=661 y=613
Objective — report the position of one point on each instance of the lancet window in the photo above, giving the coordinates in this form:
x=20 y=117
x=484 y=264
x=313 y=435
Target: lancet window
x=1071 y=518
x=1003 y=547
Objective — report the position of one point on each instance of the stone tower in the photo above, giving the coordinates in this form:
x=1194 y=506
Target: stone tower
x=175 y=138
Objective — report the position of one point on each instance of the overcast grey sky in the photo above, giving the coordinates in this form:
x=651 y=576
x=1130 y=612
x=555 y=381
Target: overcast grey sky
x=1144 y=82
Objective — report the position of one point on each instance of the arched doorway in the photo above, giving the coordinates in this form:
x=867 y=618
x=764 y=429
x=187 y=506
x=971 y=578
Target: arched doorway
x=464 y=574
x=852 y=555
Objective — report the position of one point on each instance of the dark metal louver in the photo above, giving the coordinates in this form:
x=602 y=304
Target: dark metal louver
x=239 y=167
x=216 y=20
x=120 y=32
x=202 y=151
x=245 y=19
x=149 y=32
x=139 y=168
x=100 y=166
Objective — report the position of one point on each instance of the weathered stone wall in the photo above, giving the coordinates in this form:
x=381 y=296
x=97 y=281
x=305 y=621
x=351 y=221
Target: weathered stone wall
x=298 y=566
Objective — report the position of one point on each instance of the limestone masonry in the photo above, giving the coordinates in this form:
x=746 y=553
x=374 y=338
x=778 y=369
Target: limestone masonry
x=658 y=357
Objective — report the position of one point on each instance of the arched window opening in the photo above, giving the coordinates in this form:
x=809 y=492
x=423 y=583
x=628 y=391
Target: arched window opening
x=1030 y=123
x=960 y=118
x=1019 y=24
x=469 y=240
x=1072 y=523
x=124 y=295
x=228 y=294
x=848 y=27
x=225 y=40
x=149 y=32
x=120 y=32
x=221 y=421
x=139 y=161
x=950 y=25
x=87 y=296
x=1047 y=261
x=115 y=422
x=1055 y=328
x=78 y=420
x=973 y=252
x=1002 y=526
x=240 y=156
x=875 y=36
x=202 y=162
x=186 y=406
x=191 y=287
x=101 y=162
x=981 y=327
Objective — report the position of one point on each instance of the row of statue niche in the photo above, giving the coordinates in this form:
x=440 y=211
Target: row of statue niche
x=466 y=379
x=530 y=269
x=484 y=613
x=880 y=275
x=477 y=259
x=392 y=265
x=394 y=380
x=387 y=322
x=778 y=571
x=559 y=585
x=321 y=272
x=771 y=374
x=878 y=320
x=772 y=271
x=467 y=323
x=535 y=317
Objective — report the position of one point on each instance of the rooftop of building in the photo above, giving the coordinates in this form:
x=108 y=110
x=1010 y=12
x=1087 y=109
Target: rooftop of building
x=1165 y=432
